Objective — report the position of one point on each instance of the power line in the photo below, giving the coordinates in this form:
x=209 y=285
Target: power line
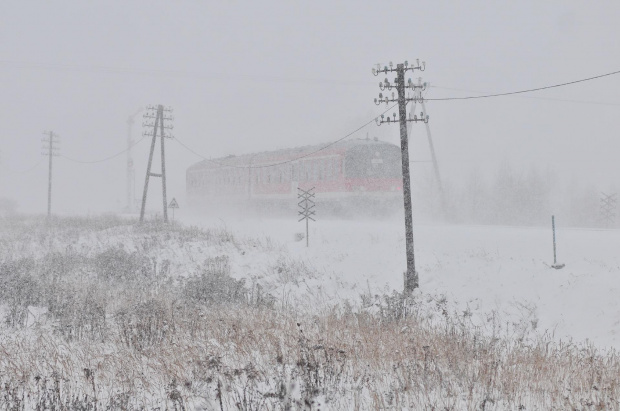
x=307 y=80
x=525 y=91
x=287 y=161
x=27 y=170
x=104 y=159
x=601 y=103
x=174 y=73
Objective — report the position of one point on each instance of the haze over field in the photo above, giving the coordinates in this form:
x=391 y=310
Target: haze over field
x=236 y=304
x=253 y=76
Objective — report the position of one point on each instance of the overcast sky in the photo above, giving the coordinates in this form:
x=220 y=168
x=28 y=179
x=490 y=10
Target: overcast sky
x=262 y=75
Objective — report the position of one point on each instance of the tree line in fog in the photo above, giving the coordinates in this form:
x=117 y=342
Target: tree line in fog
x=511 y=197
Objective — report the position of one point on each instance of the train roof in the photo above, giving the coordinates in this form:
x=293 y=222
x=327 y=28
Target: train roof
x=286 y=155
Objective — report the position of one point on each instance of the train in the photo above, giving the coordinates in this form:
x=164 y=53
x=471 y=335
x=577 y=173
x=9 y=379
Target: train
x=350 y=175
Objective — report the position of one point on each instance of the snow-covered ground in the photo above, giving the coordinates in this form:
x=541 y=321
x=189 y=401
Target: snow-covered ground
x=480 y=268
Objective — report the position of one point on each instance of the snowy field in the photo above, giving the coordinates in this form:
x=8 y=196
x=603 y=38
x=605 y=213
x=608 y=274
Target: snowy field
x=481 y=268
x=239 y=314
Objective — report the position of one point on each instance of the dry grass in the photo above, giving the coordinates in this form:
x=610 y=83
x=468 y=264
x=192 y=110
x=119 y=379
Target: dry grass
x=120 y=334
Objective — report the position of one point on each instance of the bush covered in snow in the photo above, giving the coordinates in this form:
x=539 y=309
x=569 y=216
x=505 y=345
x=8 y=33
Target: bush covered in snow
x=101 y=315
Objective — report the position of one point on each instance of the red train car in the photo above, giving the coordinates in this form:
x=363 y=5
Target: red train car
x=359 y=173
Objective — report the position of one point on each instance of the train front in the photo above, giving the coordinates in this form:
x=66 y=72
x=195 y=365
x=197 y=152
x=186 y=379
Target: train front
x=373 y=177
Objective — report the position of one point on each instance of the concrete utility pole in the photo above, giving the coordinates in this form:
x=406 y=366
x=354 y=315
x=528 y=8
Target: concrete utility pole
x=411 y=276
x=50 y=149
x=131 y=183
x=159 y=114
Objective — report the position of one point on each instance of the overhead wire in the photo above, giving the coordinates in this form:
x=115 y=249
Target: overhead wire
x=525 y=91
x=27 y=170
x=287 y=161
x=112 y=69
x=601 y=103
x=172 y=73
x=103 y=159
x=179 y=73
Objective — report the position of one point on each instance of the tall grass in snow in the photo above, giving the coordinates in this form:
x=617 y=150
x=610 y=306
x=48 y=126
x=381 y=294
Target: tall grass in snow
x=96 y=325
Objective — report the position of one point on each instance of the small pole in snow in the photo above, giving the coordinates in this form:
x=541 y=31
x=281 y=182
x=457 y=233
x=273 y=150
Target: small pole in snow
x=555 y=262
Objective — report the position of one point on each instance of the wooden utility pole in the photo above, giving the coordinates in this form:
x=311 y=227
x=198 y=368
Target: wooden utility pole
x=158 y=114
x=50 y=149
x=411 y=276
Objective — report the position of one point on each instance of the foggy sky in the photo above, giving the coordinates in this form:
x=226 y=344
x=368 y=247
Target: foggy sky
x=253 y=76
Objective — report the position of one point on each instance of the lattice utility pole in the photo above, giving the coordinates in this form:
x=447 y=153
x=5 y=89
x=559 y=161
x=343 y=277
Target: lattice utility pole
x=306 y=206
x=609 y=203
x=158 y=114
x=411 y=276
x=50 y=148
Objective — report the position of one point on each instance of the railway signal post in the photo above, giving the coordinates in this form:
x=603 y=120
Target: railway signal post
x=411 y=276
x=158 y=114
x=50 y=149
x=306 y=206
x=609 y=203
x=173 y=205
